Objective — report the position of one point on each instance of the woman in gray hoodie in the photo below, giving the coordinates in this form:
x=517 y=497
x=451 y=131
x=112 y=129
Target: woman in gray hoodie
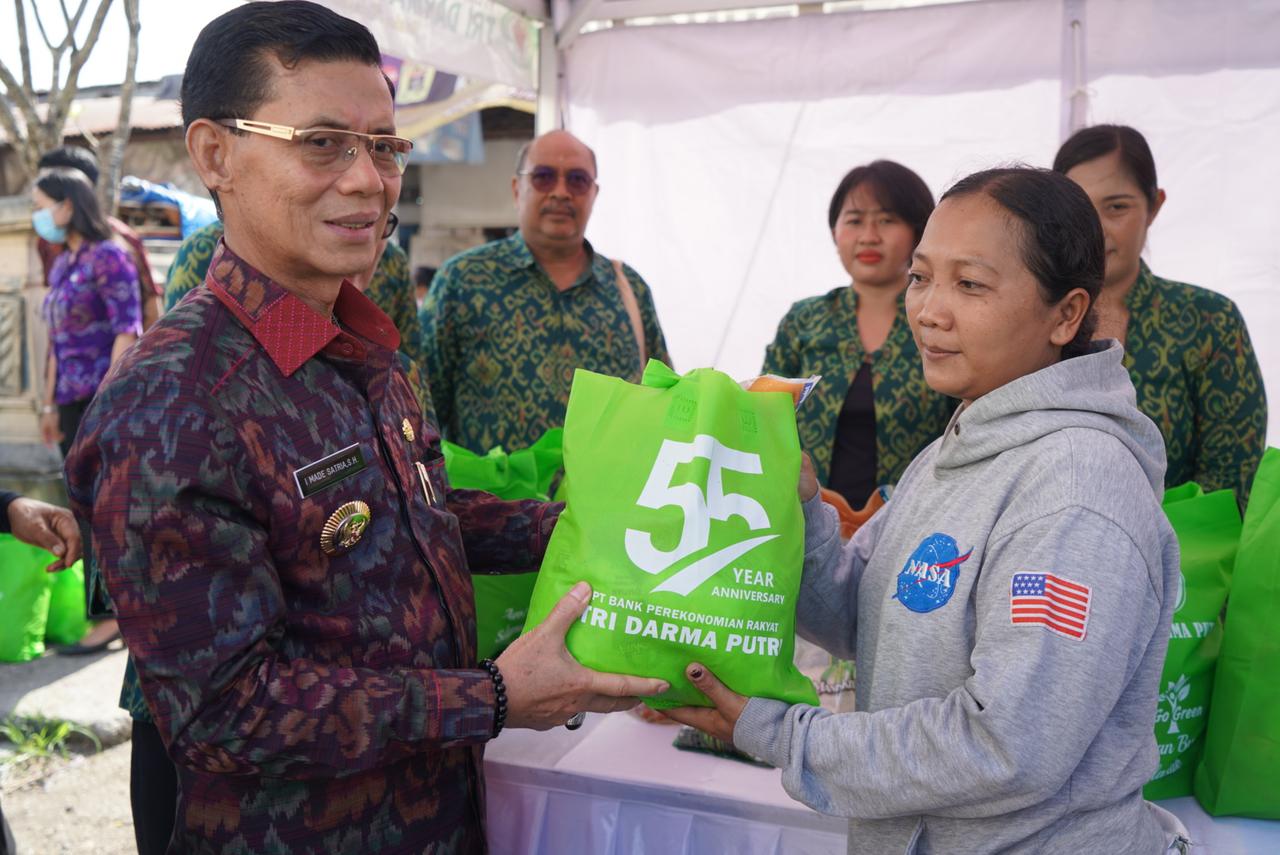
x=1009 y=609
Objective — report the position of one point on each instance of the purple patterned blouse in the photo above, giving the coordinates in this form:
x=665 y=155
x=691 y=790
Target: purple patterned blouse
x=93 y=297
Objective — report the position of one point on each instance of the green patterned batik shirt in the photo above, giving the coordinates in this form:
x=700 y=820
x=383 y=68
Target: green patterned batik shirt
x=502 y=342
x=819 y=335
x=1188 y=352
x=389 y=289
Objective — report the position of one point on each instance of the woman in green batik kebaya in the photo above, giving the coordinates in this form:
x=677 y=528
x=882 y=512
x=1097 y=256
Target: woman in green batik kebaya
x=872 y=412
x=1186 y=348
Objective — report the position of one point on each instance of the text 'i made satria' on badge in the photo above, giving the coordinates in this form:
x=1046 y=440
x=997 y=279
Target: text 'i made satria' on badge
x=327 y=471
x=345 y=527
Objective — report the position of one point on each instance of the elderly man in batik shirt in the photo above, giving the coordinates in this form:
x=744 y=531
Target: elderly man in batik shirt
x=505 y=324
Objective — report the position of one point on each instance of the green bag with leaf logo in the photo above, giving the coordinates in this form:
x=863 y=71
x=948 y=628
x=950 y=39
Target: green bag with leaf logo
x=24 y=599
x=1208 y=530
x=685 y=520
x=1239 y=773
x=67 y=621
x=502 y=600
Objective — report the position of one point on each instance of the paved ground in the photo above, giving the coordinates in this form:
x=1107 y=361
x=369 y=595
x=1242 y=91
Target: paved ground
x=79 y=805
x=82 y=808
x=81 y=689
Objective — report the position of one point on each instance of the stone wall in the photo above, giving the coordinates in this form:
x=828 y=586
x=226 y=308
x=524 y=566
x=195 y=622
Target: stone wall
x=161 y=158
x=25 y=463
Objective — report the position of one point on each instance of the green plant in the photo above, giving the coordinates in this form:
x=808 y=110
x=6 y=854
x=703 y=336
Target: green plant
x=37 y=736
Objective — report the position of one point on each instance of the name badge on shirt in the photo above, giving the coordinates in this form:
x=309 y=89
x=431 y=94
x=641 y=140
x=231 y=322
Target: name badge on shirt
x=327 y=471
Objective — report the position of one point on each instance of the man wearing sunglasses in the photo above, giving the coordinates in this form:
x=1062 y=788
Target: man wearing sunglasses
x=268 y=503
x=505 y=324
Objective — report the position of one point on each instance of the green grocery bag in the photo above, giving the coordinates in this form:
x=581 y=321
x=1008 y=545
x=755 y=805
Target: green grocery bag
x=502 y=604
x=523 y=474
x=1208 y=530
x=684 y=518
x=502 y=600
x=67 y=622
x=24 y=599
x=1239 y=773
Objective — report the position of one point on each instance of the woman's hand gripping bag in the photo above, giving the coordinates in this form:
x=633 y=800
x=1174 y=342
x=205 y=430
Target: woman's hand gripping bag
x=685 y=520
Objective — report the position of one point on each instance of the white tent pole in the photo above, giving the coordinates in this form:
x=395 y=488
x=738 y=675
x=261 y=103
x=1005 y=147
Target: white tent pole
x=581 y=11
x=1075 y=92
x=548 y=116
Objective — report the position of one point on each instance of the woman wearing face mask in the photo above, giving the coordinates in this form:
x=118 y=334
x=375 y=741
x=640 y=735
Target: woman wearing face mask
x=1186 y=348
x=872 y=412
x=1010 y=607
x=92 y=310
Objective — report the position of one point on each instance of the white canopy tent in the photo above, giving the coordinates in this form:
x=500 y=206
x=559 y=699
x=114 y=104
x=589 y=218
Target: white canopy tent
x=720 y=143
x=488 y=52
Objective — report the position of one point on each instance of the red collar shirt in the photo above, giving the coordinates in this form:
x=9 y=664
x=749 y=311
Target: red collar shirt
x=318 y=691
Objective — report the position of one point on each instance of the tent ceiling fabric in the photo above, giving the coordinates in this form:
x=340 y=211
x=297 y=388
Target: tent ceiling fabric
x=533 y=9
x=571 y=15
x=717 y=162
x=480 y=39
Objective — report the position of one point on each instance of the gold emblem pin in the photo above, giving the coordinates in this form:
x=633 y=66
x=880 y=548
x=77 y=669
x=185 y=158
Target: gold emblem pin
x=345 y=527
x=407 y=430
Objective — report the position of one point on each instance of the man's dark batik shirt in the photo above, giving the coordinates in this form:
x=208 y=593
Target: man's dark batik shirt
x=313 y=702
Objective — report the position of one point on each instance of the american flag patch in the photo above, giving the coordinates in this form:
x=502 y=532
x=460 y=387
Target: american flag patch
x=1043 y=599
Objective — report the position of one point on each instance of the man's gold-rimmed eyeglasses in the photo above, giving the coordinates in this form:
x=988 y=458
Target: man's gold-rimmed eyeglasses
x=333 y=150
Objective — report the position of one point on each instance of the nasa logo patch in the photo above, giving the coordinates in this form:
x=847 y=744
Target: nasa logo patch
x=928 y=579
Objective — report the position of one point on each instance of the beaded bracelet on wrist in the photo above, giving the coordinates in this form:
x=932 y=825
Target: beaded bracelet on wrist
x=500 y=695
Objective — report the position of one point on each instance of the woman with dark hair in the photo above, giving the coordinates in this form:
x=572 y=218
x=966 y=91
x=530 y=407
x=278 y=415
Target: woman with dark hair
x=93 y=312
x=1010 y=606
x=1186 y=348
x=872 y=412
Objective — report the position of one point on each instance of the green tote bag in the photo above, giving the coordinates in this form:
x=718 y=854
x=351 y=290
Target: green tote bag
x=502 y=600
x=1240 y=771
x=1208 y=530
x=683 y=516
x=24 y=599
x=67 y=621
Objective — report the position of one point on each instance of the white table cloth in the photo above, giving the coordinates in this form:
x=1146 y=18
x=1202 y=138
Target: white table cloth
x=618 y=787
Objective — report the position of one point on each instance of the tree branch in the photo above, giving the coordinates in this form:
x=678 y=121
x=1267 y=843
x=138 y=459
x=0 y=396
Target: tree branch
x=109 y=185
x=54 y=52
x=60 y=104
x=9 y=121
x=24 y=99
x=21 y=96
x=23 y=51
x=68 y=41
x=39 y=134
x=73 y=23
x=35 y=8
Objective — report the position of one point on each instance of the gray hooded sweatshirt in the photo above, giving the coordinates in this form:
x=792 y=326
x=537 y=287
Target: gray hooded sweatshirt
x=1008 y=611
